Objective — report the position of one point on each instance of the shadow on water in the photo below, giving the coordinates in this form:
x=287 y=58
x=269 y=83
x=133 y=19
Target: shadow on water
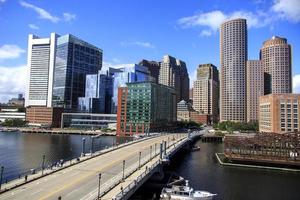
x=203 y=171
x=21 y=152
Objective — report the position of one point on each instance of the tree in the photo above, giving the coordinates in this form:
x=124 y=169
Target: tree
x=14 y=123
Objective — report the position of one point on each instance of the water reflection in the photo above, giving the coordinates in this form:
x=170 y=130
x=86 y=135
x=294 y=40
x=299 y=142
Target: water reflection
x=21 y=152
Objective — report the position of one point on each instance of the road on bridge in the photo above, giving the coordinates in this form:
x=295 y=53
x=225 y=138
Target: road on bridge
x=81 y=180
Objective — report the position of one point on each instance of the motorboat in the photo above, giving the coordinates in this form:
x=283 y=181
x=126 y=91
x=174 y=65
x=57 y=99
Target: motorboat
x=184 y=192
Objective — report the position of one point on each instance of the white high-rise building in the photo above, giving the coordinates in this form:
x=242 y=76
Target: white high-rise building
x=40 y=62
x=233 y=57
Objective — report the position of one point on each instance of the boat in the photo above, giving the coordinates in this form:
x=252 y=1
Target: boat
x=185 y=192
x=196 y=148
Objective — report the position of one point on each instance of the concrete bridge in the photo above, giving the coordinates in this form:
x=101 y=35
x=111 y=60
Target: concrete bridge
x=114 y=173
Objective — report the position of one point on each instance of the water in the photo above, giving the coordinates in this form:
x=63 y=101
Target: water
x=21 y=152
x=203 y=171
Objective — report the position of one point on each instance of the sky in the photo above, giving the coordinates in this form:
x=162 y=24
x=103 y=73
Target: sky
x=131 y=30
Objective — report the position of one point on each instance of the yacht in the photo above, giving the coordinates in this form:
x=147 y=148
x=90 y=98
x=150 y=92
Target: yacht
x=184 y=192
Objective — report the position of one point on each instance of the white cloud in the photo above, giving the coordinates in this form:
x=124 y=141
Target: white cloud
x=10 y=51
x=296 y=83
x=206 y=33
x=12 y=81
x=138 y=43
x=287 y=9
x=69 y=17
x=212 y=20
x=43 y=14
x=33 y=26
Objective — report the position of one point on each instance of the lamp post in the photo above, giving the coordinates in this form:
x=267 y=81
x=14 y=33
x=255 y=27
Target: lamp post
x=140 y=155
x=150 y=152
x=83 y=146
x=43 y=164
x=1 y=176
x=99 y=197
x=92 y=143
x=123 y=170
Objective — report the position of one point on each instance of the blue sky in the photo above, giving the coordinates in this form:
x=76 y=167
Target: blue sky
x=130 y=30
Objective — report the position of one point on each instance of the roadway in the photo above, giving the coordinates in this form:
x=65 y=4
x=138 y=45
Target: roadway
x=81 y=180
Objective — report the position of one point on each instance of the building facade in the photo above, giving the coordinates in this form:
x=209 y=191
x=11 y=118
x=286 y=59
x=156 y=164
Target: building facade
x=74 y=59
x=98 y=94
x=233 y=56
x=43 y=116
x=279 y=113
x=183 y=111
x=88 y=120
x=153 y=68
x=255 y=88
x=276 y=57
x=173 y=73
x=206 y=91
x=145 y=107
x=10 y=113
x=128 y=74
x=57 y=69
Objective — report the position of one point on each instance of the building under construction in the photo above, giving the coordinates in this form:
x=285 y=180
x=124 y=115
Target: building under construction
x=264 y=148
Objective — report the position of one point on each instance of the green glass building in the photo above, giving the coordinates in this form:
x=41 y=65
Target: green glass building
x=145 y=107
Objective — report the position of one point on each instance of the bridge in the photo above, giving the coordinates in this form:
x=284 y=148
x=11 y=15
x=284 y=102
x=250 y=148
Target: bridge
x=114 y=173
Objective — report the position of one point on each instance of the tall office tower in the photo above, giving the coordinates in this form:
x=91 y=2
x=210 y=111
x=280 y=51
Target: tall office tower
x=153 y=68
x=184 y=80
x=129 y=74
x=233 y=56
x=57 y=69
x=40 y=61
x=74 y=59
x=98 y=94
x=276 y=57
x=206 y=91
x=255 y=88
x=171 y=73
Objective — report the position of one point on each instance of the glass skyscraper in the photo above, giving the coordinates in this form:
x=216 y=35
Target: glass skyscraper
x=98 y=94
x=74 y=59
x=128 y=74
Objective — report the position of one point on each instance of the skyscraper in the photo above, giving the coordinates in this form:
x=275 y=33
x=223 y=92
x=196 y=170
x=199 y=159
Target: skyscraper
x=74 y=59
x=233 y=56
x=206 y=91
x=173 y=73
x=57 y=69
x=276 y=57
x=98 y=94
x=153 y=68
x=255 y=88
x=128 y=74
x=40 y=62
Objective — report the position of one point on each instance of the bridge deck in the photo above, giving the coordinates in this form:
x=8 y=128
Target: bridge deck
x=80 y=181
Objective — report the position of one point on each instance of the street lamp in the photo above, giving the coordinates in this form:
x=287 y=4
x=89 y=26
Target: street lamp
x=123 y=170
x=43 y=164
x=1 y=176
x=83 y=146
x=99 y=197
x=150 y=152
x=140 y=155
x=92 y=143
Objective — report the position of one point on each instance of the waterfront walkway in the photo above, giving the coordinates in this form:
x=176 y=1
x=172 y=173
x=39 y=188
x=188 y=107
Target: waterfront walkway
x=80 y=181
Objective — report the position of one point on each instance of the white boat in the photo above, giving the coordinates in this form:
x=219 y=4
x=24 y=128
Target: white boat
x=184 y=193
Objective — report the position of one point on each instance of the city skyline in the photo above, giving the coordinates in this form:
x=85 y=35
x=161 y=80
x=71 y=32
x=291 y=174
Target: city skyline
x=129 y=41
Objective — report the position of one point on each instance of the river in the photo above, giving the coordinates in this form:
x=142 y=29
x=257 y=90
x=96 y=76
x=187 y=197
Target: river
x=21 y=152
